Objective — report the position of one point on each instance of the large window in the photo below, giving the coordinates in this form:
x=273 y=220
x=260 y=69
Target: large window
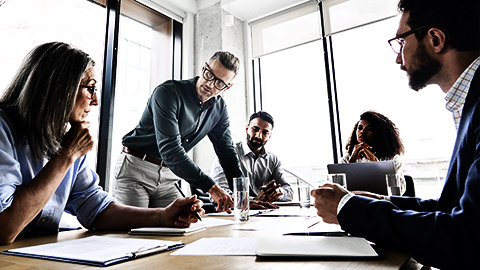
x=369 y=79
x=292 y=85
x=25 y=24
x=145 y=55
x=293 y=91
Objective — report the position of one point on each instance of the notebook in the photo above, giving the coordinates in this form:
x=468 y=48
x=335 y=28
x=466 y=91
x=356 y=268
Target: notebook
x=366 y=176
x=314 y=246
x=96 y=250
x=194 y=228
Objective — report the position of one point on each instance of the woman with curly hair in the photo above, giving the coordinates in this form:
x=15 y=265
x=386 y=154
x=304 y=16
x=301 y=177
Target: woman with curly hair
x=375 y=138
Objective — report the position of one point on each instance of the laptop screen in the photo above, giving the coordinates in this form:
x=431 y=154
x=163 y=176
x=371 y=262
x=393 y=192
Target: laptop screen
x=366 y=176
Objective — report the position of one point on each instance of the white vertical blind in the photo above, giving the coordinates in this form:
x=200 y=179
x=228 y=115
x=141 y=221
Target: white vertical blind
x=341 y=15
x=297 y=25
x=301 y=24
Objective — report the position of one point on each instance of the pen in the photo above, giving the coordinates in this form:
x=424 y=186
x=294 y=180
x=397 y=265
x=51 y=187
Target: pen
x=181 y=192
x=319 y=233
x=143 y=252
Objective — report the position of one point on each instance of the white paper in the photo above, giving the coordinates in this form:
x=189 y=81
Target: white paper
x=290 y=225
x=221 y=246
x=251 y=212
x=291 y=212
x=214 y=222
x=276 y=224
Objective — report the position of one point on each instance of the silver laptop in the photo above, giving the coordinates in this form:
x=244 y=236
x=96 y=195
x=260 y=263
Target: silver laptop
x=367 y=176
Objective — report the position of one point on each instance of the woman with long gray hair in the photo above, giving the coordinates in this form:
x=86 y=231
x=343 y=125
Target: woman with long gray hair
x=44 y=139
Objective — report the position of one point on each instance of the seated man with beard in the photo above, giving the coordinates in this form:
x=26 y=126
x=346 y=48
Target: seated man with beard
x=264 y=169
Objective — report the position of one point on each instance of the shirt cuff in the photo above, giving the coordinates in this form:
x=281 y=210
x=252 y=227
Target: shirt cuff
x=343 y=201
x=282 y=197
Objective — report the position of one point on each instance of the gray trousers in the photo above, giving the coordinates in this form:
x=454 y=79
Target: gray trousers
x=144 y=184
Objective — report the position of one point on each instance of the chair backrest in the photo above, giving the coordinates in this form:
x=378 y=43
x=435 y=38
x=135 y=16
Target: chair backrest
x=410 y=186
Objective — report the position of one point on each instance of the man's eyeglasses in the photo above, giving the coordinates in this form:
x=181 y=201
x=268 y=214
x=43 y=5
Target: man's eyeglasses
x=208 y=76
x=397 y=42
x=92 y=89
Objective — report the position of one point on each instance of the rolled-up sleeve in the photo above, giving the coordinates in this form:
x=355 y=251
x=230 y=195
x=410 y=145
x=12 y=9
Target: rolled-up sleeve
x=10 y=172
x=86 y=199
x=278 y=175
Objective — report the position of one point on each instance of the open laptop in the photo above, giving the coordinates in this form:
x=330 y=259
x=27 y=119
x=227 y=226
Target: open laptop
x=366 y=176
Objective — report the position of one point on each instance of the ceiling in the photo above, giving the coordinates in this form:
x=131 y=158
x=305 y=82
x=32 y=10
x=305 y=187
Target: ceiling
x=250 y=10
x=245 y=10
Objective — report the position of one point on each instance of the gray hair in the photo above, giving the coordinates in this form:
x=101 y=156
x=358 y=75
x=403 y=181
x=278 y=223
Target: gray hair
x=228 y=60
x=41 y=97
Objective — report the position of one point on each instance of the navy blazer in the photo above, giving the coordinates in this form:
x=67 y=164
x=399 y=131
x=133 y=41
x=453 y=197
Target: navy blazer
x=445 y=232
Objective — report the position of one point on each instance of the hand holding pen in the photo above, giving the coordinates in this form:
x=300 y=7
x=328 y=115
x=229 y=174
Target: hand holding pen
x=183 y=195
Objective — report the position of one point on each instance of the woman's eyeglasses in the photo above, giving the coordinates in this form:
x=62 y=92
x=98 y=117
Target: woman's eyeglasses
x=92 y=89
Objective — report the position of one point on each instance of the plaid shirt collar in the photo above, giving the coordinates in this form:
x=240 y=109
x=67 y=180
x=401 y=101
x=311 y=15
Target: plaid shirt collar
x=455 y=97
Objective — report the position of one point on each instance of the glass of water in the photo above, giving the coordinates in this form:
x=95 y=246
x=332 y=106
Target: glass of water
x=240 y=198
x=338 y=178
x=303 y=194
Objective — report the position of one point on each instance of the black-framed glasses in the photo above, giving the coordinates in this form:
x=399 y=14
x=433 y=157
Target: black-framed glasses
x=398 y=41
x=92 y=89
x=209 y=76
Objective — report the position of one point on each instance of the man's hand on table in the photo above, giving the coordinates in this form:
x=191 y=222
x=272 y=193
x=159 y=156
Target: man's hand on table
x=327 y=198
x=223 y=200
x=270 y=192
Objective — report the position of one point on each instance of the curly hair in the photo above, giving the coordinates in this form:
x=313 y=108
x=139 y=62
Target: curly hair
x=387 y=138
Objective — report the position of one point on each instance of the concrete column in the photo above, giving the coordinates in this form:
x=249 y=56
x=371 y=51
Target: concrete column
x=212 y=35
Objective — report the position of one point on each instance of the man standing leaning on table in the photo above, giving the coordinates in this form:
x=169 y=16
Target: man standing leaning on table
x=178 y=115
x=438 y=42
x=264 y=169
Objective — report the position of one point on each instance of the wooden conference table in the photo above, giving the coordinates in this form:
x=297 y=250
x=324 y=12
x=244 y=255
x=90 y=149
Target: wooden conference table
x=387 y=260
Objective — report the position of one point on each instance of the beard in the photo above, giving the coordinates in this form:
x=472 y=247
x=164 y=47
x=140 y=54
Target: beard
x=426 y=68
x=254 y=142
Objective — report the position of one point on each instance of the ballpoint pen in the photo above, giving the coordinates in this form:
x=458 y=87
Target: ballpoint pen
x=181 y=192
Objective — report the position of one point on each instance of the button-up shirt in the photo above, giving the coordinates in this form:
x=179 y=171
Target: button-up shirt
x=260 y=170
x=77 y=194
x=455 y=97
x=174 y=121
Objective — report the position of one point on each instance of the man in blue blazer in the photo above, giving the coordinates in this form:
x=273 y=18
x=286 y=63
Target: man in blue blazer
x=437 y=42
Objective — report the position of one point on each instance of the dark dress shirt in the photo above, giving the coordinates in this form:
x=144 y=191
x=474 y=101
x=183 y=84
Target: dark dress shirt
x=174 y=121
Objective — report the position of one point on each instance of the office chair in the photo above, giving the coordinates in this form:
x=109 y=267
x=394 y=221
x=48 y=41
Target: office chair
x=410 y=186
x=208 y=205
